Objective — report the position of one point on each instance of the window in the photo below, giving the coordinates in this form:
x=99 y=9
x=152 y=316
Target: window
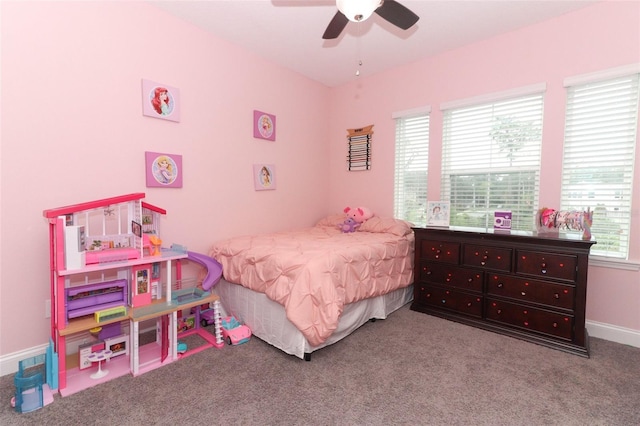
x=491 y=158
x=598 y=160
x=412 y=158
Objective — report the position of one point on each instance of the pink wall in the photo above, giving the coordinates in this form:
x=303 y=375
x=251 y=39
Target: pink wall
x=606 y=35
x=73 y=131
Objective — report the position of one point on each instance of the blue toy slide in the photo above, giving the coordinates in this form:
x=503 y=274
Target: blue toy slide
x=214 y=269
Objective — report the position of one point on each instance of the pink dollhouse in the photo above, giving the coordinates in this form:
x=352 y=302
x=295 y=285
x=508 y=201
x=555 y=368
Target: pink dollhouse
x=107 y=272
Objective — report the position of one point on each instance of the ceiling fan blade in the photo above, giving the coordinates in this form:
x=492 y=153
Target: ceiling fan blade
x=397 y=14
x=335 y=27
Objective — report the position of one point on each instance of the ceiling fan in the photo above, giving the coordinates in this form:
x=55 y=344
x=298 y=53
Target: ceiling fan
x=360 y=10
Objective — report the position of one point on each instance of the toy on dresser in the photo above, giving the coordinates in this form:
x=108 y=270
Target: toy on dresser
x=570 y=220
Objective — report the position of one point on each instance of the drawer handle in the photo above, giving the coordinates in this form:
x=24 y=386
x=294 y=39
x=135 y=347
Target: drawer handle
x=526 y=323
x=469 y=304
x=444 y=301
x=500 y=285
x=556 y=295
x=499 y=311
x=555 y=325
x=523 y=293
x=470 y=280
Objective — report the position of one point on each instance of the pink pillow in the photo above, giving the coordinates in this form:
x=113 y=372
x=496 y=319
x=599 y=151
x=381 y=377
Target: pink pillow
x=333 y=220
x=386 y=225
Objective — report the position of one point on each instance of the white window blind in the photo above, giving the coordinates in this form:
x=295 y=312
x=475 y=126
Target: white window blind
x=598 y=160
x=412 y=159
x=491 y=160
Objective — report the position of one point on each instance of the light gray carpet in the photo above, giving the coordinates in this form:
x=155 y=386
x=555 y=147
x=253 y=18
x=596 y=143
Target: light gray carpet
x=410 y=369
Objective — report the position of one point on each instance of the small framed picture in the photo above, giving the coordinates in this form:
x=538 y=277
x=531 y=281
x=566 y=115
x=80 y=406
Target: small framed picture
x=264 y=126
x=141 y=285
x=163 y=170
x=264 y=177
x=437 y=213
x=160 y=101
x=136 y=228
x=118 y=345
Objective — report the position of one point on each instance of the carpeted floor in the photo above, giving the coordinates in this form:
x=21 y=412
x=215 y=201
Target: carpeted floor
x=410 y=369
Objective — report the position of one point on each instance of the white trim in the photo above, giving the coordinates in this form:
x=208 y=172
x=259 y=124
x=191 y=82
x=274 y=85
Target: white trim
x=614 y=333
x=604 y=262
x=602 y=75
x=411 y=112
x=9 y=363
x=494 y=97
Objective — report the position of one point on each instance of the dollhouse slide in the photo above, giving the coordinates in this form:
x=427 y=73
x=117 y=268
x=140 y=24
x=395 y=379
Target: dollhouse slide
x=214 y=269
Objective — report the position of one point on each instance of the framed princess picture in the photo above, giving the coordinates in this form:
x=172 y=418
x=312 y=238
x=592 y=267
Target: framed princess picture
x=264 y=126
x=163 y=170
x=264 y=177
x=160 y=101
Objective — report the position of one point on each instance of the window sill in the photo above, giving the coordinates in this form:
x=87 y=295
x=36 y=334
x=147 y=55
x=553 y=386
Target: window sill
x=603 y=262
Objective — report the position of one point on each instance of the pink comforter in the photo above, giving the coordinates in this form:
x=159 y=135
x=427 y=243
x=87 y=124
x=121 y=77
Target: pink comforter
x=314 y=272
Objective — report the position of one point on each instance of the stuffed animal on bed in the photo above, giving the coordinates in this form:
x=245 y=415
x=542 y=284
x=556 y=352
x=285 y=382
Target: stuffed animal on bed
x=349 y=225
x=359 y=214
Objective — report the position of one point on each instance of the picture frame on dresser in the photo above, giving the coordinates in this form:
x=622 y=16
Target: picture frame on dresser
x=438 y=213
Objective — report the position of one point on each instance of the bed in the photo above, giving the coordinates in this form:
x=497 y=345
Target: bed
x=305 y=289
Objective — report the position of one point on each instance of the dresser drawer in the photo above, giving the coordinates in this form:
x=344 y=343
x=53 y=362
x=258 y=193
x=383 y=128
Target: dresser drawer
x=452 y=300
x=451 y=276
x=538 y=320
x=530 y=290
x=440 y=251
x=487 y=257
x=548 y=265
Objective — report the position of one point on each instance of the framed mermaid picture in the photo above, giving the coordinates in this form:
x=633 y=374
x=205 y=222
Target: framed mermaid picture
x=264 y=126
x=163 y=170
x=160 y=101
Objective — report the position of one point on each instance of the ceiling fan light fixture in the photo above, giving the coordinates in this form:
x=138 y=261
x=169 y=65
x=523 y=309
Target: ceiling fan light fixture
x=357 y=10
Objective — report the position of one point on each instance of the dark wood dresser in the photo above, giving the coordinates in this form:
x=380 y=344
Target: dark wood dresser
x=528 y=286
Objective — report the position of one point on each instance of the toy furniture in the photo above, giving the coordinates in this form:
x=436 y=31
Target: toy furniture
x=98 y=357
x=111 y=255
x=116 y=274
x=155 y=245
x=34 y=382
x=87 y=299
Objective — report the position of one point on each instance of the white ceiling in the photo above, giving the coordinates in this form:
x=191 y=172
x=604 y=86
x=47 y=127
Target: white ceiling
x=289 y=32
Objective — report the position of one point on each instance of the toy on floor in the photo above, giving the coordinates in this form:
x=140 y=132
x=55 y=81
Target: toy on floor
x=233 y=332
x=35 y=381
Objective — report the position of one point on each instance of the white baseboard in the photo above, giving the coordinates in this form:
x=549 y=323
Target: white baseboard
x=625 y=336
x=9 y=362
x=614 y=333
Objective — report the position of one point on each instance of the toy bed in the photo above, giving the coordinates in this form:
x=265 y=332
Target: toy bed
x=305 y=289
